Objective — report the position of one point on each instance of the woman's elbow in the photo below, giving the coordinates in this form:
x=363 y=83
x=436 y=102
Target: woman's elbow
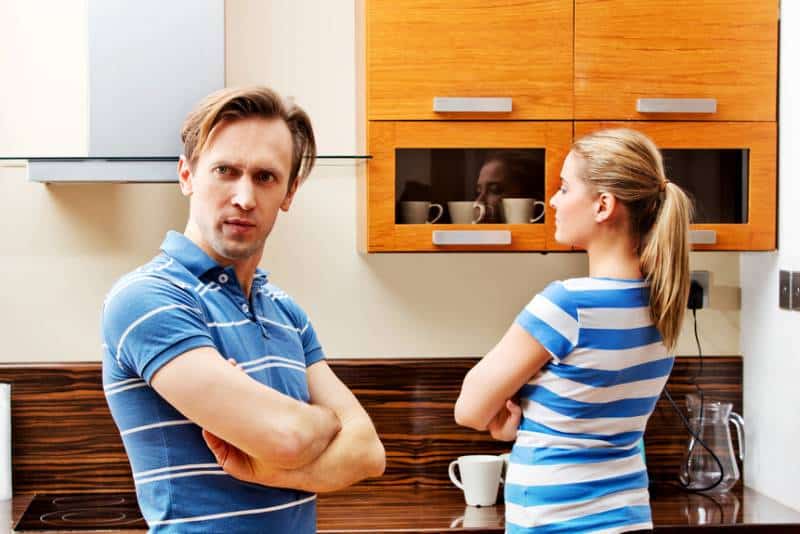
x=377 y=459
x=465 y=415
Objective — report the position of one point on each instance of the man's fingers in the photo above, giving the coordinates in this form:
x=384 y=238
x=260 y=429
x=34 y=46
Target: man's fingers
x=217 y=446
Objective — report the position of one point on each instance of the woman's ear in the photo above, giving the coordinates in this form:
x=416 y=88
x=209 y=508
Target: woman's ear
x=604 y=207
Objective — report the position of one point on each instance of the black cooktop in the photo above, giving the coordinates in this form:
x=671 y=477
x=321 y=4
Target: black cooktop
x=82 y=511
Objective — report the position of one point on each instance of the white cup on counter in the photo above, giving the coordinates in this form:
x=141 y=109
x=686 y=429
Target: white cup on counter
x=480 y=477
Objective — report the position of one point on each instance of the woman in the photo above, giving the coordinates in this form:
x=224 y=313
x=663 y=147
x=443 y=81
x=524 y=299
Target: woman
x=578 y=374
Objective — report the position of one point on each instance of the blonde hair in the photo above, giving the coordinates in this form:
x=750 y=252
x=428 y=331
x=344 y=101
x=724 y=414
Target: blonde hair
x=239 y=103
x=628 y=165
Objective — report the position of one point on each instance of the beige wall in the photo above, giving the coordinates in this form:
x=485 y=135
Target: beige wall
x=63 y=245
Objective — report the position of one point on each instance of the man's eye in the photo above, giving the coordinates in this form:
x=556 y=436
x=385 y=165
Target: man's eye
x=562 y=189
x=266 y=177
x=222 y=169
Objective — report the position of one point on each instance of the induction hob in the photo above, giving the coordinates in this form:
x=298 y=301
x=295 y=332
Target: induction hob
x=82 y=511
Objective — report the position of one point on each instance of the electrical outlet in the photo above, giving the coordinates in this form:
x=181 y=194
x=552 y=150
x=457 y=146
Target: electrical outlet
x=796 y=290
x=785 y=290
x=704 y=279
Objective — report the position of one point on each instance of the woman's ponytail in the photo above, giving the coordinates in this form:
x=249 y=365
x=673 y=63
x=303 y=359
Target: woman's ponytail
x=628 y=165
x=665 y=262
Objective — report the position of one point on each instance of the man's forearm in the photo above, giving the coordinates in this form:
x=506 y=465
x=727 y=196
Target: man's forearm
x=354 y=454
x=311 y=437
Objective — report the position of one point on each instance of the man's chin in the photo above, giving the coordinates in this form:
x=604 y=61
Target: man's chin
x=237 y=251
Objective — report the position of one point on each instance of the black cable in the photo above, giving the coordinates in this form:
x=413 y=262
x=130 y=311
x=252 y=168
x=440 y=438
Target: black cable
x=687 y=425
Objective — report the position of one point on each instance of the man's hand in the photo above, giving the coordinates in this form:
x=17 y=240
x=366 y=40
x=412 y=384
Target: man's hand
x=234 y=461
x=504 y=425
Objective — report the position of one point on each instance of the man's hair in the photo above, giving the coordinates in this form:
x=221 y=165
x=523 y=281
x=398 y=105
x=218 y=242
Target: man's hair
x=234 y=104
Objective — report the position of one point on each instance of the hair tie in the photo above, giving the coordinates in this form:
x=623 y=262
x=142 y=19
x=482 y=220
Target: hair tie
x=663 y=186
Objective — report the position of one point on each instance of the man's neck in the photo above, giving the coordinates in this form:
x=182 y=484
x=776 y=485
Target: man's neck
x=245 y=269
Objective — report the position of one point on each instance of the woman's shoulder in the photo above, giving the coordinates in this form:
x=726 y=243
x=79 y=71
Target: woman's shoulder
x=590 y=283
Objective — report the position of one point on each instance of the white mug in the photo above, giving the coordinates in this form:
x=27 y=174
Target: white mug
x=418 y=211
x=520 y=210
x=463 y=211
x=480 y=478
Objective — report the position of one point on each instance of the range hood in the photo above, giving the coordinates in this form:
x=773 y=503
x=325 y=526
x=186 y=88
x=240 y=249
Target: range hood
x=149 y=63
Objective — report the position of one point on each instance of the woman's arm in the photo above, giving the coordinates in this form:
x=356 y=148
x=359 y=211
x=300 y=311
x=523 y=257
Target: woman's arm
x=498 y=376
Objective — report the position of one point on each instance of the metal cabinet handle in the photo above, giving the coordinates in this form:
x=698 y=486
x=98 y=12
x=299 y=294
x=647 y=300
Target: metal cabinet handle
x=676 y=105
x=444 y=104
x=471 y=237
x=703 y=237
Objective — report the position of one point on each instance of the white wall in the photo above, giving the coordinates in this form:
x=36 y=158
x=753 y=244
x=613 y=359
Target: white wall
x=63 y=245
x=769 y=342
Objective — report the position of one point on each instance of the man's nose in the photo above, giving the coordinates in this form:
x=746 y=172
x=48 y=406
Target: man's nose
x=244 y=195
x=553 y=200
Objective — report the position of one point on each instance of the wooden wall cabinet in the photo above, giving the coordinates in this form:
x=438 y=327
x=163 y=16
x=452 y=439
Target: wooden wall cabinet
x=626 y=50
x=387 y=233
x=570 y=67
x=418 y=50
x=730 y=170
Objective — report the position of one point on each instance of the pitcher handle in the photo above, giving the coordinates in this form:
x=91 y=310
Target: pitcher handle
x=738 y=422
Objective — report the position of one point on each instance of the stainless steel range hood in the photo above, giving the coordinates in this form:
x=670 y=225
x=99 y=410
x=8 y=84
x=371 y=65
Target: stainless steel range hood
x=149 y=63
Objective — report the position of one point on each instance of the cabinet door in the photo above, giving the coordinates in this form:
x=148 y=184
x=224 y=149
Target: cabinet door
x=418 y=50
x=438 y=170
x=729 y=169
x=714 y=50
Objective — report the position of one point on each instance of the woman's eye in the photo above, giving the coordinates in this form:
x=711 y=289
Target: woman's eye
x=222 y=169
x=562 y=189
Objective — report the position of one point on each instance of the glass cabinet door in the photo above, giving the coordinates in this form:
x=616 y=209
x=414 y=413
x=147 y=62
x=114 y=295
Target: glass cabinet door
x=728 y=169
x=463 y=185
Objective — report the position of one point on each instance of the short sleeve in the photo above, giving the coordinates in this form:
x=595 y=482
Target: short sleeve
x=552 y=319
x=308 y=336
x=149 y=321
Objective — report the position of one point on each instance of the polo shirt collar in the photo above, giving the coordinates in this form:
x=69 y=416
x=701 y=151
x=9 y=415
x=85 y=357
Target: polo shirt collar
x=188 y=254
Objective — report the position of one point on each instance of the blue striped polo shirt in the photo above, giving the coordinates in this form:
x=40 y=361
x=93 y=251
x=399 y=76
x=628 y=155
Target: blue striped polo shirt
x=576 y=464
x=182 y=300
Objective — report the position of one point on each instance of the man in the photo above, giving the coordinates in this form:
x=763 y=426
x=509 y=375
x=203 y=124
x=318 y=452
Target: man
x=216 y=447
x=507 y=174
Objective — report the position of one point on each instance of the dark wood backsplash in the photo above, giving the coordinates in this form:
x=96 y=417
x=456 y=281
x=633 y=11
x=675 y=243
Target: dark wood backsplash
x=64 y=439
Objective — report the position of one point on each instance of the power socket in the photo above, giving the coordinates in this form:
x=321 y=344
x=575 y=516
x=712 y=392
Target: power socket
x=703 y=278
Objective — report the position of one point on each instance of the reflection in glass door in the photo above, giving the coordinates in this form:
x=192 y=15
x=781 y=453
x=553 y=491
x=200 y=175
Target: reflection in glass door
x=470 y=186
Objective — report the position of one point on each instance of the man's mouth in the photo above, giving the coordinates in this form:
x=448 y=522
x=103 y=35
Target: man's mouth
x=244 y=223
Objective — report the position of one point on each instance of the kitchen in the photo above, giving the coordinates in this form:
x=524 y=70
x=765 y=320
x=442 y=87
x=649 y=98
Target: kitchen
x=95 y=232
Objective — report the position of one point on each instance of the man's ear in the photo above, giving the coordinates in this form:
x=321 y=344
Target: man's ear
x=604 y=207
x=287 y=200
x=185 y=176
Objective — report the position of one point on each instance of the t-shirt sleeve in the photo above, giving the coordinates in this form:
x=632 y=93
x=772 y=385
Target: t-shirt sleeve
x=552 y=319
x=308 y=336
x=151 y=321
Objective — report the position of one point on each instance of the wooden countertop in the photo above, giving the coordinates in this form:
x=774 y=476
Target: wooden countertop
x=406 y=509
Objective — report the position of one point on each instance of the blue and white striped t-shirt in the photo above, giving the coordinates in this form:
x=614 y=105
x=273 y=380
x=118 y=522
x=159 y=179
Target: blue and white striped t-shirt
x=179 y=301
x=576 y=464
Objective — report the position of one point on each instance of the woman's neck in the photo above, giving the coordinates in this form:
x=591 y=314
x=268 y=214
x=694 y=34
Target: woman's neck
x=614 y=257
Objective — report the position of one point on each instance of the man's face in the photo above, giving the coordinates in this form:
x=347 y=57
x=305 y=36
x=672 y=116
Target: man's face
x=492 y=187
x=236 y=187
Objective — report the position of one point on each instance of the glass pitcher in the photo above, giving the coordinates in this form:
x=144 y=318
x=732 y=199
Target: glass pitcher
x=699 y=469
